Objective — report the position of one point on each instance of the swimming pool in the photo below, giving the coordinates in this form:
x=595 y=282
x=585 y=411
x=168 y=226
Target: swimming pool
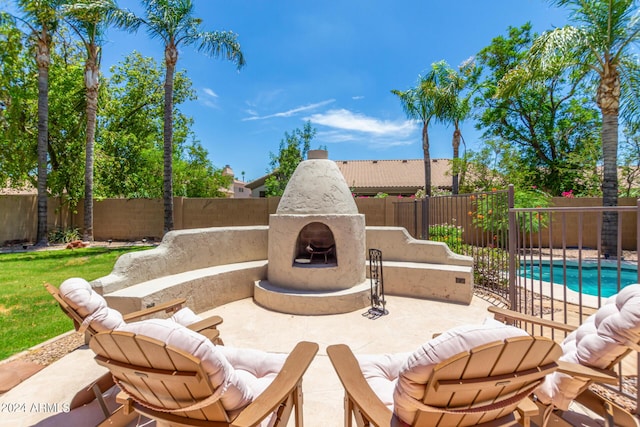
x=541 y=270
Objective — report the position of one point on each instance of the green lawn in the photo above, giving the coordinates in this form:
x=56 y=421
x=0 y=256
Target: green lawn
x=28 y=314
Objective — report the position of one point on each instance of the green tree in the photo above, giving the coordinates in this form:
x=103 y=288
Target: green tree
x=173 y=22
x=630 y=161
x=129 y=147
x=293 y=149
x=65 y=130
x=603 y=43
x=66 y=121
x=453 y=103
x=418 y=103
x=195 y=176
x=18 y=109
x=552 y=124
x=130 y=133
x=41 y=19
x=90 y=19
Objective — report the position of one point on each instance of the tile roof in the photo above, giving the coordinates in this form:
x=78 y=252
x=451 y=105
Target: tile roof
x=386 y=175
x=394 y=173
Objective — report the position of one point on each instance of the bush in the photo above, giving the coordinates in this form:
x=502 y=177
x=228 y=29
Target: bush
x=64 y=235
x=449 y=234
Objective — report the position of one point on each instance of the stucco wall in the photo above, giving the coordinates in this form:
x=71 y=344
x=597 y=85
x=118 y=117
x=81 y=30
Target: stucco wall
x=187 y=250
x=129 y=220
x=397 y=245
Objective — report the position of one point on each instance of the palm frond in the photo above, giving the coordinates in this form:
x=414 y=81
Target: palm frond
x=408 y=102
x=124 y=19
x=220 y=44
x=630 y=89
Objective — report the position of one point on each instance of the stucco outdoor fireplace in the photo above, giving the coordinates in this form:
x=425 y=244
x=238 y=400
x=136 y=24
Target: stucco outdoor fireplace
x=316 y=244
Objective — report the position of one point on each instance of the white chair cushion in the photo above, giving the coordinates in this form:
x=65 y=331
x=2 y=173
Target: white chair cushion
x=257 y=369
x=236 y=393
x=89 y=304
x=381 y=372
x=415 y=372
x=598 y=342
x=398 y=379
x=185 y=317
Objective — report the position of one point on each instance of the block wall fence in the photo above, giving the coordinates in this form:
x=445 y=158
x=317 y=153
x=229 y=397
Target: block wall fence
x=135 y=219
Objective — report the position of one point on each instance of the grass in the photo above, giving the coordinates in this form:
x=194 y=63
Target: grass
x=28 y=314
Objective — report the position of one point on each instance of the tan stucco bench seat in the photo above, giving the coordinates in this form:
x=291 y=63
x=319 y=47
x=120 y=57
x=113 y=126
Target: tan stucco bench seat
x=446 y=282
x=204 y=288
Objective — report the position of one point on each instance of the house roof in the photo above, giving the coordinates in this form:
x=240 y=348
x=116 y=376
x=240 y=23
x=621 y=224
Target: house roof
x=386 y=175
x=394 y=174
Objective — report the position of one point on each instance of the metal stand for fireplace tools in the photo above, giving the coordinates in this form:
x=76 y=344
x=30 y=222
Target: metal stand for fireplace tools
x=377 y=285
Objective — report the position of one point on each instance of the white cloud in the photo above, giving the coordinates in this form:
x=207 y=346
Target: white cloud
x=356 y=98
x=292 y=111
x=209 y=98
x=345 y=126
x=350 y=121
x=210 y=92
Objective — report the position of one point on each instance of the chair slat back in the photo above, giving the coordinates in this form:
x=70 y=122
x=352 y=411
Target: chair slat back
x=144 y=365
x=486 y=382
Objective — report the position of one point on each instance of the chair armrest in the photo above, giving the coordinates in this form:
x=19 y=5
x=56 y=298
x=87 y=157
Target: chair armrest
x=208 y=323
x=208 y=328
x=169 y=307
x=280 y=388
x=356 y=387
x=504 y=314
x=598 y=375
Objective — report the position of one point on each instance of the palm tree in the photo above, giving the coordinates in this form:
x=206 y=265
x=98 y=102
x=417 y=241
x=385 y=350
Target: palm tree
x=41 y=19
x=451 y=106
x=172 y=21
x=418 y=103
x=89 y=19
x=602 y=42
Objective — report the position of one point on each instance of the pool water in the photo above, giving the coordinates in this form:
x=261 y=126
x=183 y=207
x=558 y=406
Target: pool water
x=589 y=270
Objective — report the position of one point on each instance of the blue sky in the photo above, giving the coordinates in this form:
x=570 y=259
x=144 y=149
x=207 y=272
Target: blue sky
x=332 y=62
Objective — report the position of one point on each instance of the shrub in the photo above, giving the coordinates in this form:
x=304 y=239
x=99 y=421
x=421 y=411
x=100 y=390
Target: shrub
x=448 y=233
x=64 y=235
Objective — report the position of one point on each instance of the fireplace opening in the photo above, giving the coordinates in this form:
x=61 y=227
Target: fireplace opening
x=315 y=246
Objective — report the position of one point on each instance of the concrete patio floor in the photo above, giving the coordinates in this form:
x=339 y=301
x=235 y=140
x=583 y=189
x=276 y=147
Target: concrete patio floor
x=40 y=400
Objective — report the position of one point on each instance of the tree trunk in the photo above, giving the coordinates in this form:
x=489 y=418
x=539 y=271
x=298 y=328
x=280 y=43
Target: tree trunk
x=42 y=60
x=456 y=155
x=91 y=80
x=171 y=57
x=610 y=185
x=608 y=98
x=427 y=159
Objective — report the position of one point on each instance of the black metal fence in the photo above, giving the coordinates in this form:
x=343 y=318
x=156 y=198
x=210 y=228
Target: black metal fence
x=547 y=262
x=473 y=224
x=559 y=269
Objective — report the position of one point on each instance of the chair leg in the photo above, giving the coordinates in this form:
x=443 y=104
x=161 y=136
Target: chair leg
x=297 y=403
x=348 y=411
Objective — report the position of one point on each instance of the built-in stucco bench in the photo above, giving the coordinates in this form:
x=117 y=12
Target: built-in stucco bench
x=207 y=266
x=452 y=283
x=420 y=268
x=203 y=288
x=214 y=266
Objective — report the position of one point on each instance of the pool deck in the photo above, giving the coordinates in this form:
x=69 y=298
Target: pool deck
x=39 y=400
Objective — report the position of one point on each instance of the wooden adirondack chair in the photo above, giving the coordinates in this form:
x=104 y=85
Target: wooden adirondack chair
x=582 y=375
x=174 y=387
x=488 y=385
x=207 y=327
x=96 y=388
